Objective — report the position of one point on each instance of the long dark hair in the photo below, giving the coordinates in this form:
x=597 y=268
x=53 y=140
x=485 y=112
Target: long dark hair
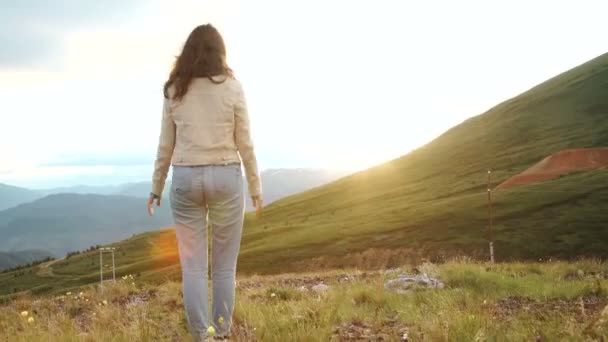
x=203 y=55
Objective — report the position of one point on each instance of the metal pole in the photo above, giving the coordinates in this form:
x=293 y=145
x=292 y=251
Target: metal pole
x=113 y=267
x=101 y=267
x=490 y=218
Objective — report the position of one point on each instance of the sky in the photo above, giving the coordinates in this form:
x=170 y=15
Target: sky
x=330 y=84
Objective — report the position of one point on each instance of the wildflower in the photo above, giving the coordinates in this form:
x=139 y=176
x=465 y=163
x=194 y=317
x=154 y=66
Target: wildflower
x=81 y=294
x=133 y=284
x=68 y=293
x=211 y=331
x=104 y=302
x=272 y=295
x=485 y=301
x=30 y=320
x=24 y=313
x=86 y=300
x=221 y=320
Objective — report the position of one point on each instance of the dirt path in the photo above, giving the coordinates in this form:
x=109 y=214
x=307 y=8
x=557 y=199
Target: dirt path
x=46 y=269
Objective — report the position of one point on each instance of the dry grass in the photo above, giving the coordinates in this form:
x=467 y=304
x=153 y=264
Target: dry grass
x=515 y=301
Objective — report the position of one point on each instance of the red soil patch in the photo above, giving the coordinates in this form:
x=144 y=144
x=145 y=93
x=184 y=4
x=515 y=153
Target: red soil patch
x=560 y=164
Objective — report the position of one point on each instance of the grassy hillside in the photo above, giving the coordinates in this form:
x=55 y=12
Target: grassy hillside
x=434 y=199
x=430 y=203
x=151 y=256
x=553 y=301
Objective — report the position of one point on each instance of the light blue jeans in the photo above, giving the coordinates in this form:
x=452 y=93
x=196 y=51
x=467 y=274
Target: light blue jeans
x=214 y=194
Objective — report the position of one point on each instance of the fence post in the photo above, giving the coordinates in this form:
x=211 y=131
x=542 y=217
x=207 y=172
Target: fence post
x=101 y=266
x=490 y=218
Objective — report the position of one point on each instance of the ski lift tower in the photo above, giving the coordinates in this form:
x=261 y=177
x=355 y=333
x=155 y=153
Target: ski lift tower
x=103 y=250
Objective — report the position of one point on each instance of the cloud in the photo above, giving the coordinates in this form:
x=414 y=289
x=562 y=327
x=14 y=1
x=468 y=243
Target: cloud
x=64 y=176
x=74 y=160
x=32 y=32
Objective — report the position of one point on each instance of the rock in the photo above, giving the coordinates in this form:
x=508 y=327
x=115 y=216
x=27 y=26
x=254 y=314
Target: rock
x=404 y=283
x=391 y=271
x=320 y=288
x=135 y=301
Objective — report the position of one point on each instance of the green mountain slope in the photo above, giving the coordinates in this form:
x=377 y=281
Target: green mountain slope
x=431 y=202
x=434 y=199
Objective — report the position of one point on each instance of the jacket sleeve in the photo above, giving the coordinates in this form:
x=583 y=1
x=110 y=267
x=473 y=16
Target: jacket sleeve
x=164 y=153
x=244 y=143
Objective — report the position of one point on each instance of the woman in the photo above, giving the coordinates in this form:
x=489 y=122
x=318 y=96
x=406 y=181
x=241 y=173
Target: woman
x=205 y=134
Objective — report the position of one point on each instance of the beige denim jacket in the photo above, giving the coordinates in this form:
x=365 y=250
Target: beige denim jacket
x=209 y=126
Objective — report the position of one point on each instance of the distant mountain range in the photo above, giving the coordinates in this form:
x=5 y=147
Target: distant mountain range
x=67 y=219
x=277 y=183
x=11 y=196
x=67 y=222
x=12 y=259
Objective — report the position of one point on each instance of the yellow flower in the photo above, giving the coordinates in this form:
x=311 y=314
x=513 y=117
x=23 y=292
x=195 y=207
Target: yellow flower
x=104 y=302
x=30 y=320
x=221 y=320
x=211 y=331
x=24 y=313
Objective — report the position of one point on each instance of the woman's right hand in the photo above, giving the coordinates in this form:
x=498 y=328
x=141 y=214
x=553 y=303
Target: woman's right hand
x=151 y=201
x=258 y=204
